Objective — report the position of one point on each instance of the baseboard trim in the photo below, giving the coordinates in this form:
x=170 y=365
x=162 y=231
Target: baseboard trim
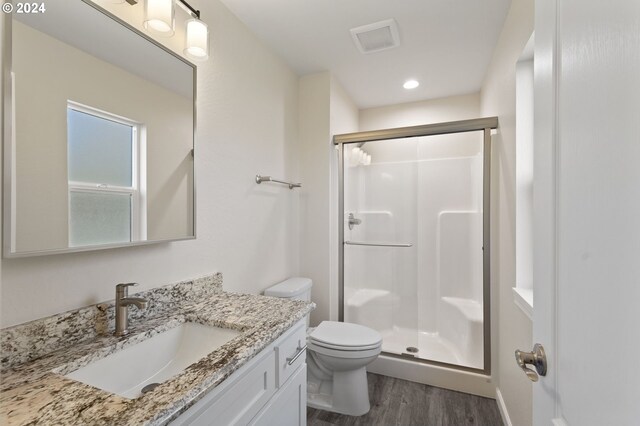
x=434 y=375
x=503 y=408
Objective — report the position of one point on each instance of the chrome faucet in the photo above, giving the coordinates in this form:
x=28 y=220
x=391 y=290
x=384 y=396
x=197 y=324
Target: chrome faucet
x=122 y=307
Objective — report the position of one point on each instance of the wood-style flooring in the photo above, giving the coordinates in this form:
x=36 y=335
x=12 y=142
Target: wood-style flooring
x=402 y=403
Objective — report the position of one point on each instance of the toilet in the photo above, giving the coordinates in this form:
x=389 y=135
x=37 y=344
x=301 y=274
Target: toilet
x=337 y=356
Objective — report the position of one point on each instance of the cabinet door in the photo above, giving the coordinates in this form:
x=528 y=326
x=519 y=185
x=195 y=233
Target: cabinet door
x=238 y=403
x=290 y=347
x=288 y=407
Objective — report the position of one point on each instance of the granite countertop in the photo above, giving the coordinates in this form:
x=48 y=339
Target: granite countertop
x=36 y=392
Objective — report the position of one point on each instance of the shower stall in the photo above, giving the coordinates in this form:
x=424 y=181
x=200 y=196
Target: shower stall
x=414 y=239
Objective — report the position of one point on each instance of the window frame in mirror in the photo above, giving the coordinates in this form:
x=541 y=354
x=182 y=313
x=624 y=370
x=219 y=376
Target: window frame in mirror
x=8 y=182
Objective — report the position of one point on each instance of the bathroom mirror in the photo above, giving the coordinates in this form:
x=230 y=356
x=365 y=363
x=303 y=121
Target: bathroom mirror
x=98 y=142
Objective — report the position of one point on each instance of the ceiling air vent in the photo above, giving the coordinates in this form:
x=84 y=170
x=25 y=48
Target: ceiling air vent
x=375 y=37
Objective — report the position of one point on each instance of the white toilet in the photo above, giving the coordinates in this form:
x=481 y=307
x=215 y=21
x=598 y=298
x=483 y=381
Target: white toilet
x=337 y=356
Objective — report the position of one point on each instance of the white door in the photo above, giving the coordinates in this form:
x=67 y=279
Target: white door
x=587 y=211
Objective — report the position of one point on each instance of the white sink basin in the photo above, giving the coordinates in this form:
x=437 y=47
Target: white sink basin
x=154 y=360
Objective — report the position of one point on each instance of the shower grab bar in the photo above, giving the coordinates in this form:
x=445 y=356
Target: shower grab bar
x=360 y=243
x=260 y=179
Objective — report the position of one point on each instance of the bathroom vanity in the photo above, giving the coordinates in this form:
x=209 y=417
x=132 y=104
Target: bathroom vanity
x=256 y=375
x=271 y=389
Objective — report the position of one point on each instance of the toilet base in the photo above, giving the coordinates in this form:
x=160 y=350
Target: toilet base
x=345 y=393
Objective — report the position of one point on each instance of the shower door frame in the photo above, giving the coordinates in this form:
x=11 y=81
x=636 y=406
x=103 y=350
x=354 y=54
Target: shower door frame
x=474 y=125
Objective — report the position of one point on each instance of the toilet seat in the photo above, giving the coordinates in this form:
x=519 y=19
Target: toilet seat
x=345 y=336
x=344 y=354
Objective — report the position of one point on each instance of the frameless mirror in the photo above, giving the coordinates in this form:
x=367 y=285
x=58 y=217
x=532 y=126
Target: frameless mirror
x=99 y=137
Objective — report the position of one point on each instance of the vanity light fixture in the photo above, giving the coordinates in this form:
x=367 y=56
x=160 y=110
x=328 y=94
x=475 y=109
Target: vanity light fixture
x=159 y=18
x=411 y=84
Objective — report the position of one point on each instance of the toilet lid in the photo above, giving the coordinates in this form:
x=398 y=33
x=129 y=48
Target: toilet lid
x=345 y=335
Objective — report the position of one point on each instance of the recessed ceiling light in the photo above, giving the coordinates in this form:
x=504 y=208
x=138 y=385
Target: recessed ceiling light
x=410 y=84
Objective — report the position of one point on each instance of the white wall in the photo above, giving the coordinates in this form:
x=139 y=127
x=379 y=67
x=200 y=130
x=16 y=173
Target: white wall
x=247 y=124
x=498 y=98
x=424 y=112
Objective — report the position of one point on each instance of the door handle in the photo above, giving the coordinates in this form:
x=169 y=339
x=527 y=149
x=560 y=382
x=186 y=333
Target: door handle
x=537 y=358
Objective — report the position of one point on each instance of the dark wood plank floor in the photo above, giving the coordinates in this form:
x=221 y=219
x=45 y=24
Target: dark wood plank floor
x=402 y=403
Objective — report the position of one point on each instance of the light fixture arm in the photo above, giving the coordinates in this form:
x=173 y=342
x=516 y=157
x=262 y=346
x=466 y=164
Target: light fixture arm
x=195 y=13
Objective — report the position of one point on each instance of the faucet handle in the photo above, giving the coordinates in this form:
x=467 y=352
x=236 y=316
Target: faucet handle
x=125 y=285
x=122 y=288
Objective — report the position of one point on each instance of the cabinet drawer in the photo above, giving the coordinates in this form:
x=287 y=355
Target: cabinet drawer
x=239 y=403
x=287 y=348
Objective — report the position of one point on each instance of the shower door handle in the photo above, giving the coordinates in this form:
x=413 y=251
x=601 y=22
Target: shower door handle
x=360 y=243
x=537 y=358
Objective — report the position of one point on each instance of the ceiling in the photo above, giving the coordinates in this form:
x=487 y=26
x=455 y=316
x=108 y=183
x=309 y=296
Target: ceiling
x=444 y=44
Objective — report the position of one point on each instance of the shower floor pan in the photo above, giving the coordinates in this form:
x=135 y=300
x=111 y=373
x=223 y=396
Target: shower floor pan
x=431 y=346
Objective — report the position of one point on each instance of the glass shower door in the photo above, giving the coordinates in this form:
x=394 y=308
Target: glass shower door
x=413 y=245
x=380 y=265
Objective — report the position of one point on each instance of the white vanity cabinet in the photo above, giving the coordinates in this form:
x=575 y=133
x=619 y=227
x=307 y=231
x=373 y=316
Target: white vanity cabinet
x=271 y=389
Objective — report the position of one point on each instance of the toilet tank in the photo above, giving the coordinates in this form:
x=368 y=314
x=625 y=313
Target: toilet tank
x=295 y=288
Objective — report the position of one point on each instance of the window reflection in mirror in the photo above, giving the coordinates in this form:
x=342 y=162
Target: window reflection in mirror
x=104 y=177
x=103 y=129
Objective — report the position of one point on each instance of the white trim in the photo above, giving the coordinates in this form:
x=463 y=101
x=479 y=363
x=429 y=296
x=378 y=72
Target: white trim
x=135 y=177
x=96 y=112
x=434 y=375
x=141 y=153
x=98 y=188
x=523 y=298
x=545 y=217
x=502 y=407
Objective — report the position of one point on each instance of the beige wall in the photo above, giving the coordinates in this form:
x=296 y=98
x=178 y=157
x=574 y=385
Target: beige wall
x=325 y=110
x=423 y=112
x=48 y=73
x=344 y=118
x=498 y=98
x=247 y=124
x=315 y=213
